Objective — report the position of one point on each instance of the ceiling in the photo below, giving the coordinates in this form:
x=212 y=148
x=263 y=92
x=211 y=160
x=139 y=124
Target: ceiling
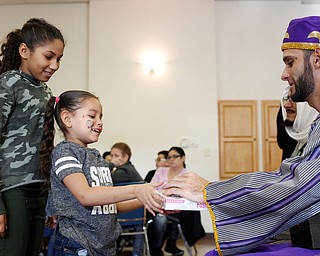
x=87 y=1
x=41 y=1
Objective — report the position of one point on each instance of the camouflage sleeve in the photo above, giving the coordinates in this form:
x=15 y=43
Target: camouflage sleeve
x=6 y=103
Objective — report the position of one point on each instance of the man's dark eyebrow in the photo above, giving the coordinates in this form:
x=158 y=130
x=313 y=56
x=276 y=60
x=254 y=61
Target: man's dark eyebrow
x=286 y=58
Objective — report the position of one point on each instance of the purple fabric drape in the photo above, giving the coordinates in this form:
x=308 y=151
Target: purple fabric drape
x=283 y=249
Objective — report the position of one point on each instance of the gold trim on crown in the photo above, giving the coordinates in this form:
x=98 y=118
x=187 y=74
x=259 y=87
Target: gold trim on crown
x=299 y=45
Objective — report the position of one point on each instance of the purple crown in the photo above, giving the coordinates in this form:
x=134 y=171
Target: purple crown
x=302 y=33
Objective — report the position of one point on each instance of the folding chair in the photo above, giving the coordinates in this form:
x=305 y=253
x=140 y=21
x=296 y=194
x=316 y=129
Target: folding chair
x=134 y=219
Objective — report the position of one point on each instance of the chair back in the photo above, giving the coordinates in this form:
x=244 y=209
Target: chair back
x=133 y=218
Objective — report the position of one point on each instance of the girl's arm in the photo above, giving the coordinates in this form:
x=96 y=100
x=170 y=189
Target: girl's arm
x=129 y=205
x=90 y=196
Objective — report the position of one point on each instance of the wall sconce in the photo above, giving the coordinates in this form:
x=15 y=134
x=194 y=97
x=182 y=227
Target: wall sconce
x=152 y=62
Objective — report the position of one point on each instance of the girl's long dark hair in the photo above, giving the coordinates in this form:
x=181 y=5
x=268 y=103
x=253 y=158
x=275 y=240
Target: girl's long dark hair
x=47 y=142
x=69 y=101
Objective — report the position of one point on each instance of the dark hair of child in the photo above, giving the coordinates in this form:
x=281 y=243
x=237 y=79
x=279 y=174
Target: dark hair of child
x=70 y=101
x=35 y=32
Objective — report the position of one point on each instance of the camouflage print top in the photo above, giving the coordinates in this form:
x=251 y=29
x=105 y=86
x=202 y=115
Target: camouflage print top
x=23 y=101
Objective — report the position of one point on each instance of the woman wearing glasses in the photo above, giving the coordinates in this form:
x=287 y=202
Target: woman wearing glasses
x=164 y=226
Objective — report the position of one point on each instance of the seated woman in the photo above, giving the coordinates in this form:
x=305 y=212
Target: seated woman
x=158 y=229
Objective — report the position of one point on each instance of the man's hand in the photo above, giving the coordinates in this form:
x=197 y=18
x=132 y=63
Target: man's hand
x=188 y=185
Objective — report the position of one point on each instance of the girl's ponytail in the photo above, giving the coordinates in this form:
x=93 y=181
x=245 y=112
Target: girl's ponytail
x=47 y=142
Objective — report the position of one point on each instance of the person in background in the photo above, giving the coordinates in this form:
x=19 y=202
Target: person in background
x=107 y=156
x=161 y=161
x=293 y=124
x=296 y=183
x=81 y=192
x=30 y=56
x=158 y=229
x=122 y=168
x=285 y=142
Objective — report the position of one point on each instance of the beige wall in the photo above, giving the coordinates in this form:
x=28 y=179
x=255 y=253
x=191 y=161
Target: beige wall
x=153 y=112
x=213 y=50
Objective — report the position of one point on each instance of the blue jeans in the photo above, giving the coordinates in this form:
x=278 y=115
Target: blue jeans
x=137 y=243
x=160 y=229
x=63 y=246
x=49 y=234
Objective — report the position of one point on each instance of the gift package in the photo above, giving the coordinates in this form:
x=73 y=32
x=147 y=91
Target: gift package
x=179 y=203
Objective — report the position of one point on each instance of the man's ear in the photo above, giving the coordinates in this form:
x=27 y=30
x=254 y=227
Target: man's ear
x=66 y=118
x=24 y=51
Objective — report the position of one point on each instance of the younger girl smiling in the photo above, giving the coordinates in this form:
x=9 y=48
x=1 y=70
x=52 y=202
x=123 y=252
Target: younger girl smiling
x=81 y=194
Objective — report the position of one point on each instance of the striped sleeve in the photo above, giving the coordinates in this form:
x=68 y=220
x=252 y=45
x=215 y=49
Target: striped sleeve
x=251 y=208
x=66 y=165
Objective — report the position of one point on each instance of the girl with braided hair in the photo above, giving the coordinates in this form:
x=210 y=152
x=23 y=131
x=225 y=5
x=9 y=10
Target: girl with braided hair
x=81 y=193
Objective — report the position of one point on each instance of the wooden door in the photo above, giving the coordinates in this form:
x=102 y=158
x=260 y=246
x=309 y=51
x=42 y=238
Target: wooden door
x=237 y=137
x=272 y=154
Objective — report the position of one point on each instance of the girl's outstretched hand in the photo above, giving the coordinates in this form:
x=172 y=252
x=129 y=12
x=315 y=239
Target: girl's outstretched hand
x=189 y=185
x=148 y=196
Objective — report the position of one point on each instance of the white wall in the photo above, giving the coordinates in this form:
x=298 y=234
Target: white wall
x=213 y=50
x=248 y=39
x=151 y=112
